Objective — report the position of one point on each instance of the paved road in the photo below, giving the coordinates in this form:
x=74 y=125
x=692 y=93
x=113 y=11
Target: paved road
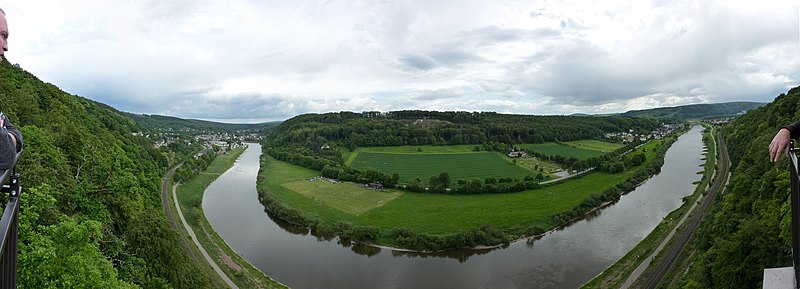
x=651 y=281
x=194 y=238
x=171 y=218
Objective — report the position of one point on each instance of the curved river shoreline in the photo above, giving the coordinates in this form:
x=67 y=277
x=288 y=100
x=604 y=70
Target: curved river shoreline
x=564 y=258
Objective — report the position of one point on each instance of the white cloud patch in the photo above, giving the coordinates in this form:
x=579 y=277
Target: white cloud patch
x=268 y=60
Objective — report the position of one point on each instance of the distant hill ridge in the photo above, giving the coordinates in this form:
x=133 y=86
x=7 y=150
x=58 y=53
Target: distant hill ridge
x=695 y=111
x=160 y=122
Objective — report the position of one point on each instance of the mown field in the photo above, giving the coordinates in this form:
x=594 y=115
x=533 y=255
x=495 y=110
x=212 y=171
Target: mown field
x=555 y=149
x=347 y=197
x=595 y=145
x=443 y=214
x=464 y=165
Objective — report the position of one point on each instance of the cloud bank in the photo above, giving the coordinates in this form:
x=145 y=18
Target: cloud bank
x=246 y=61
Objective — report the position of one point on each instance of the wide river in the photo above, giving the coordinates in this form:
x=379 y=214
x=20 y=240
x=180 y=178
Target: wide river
x=564 y=258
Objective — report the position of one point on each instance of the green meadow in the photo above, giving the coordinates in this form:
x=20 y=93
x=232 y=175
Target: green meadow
x=464 y=165
x=555 y=149
x=595 y=145
x=438 y=213
x=347 y=197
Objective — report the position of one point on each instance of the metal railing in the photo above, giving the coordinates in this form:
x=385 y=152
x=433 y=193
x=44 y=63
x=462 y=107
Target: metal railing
x=795 y=196
x=8 y=227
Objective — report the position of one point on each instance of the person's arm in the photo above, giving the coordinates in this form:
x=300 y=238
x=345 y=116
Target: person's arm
x=14 y=133
x=794 y=129
x=10 y=143
x=780 y=143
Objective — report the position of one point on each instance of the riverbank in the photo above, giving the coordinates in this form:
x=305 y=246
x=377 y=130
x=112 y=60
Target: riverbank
x=514 y=216
x=190 y=197
x=617 y=274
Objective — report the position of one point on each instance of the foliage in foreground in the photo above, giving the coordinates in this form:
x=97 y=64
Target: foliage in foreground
x=91 y=214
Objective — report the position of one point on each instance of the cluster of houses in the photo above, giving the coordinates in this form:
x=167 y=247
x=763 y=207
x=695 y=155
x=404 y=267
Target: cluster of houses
x=719 y=121
x=318 y=178
x=222 y=139
x=659 y=133
x=517 y=154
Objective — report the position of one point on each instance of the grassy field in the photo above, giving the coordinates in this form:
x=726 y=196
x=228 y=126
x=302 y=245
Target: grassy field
x=595 y=145
x=443 y=214
x=190 y=197
x=464 y=165
x=350 y=198
x=427 y=149
x=554 y=149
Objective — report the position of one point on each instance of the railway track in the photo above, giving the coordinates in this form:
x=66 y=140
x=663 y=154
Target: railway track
x=674 y=250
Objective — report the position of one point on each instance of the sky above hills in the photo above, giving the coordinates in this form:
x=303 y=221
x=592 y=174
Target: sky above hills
x=248 y=61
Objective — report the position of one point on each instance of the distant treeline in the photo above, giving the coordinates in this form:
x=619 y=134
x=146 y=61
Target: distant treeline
x=397 y=128
x=160 y=123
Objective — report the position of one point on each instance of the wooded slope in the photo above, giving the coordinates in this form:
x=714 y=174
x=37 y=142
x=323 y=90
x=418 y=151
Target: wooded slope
x=749 y=227
x=91 y=215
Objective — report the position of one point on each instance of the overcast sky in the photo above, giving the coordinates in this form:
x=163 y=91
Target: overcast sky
x=249 y=61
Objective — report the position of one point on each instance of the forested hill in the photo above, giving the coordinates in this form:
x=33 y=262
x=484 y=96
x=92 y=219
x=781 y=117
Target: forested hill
x=91 y=215
x=695 y=111
x=749 y=227
x=163 y=123
x=352 y=130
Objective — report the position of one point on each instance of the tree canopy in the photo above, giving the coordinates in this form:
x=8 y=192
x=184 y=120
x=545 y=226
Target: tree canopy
x=91 y=215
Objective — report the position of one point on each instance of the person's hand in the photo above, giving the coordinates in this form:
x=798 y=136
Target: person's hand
x=779 y=145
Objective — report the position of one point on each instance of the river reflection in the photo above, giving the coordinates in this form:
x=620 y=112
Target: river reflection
x=564 y=258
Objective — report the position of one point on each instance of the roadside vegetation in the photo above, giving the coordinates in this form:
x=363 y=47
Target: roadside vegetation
x=190 y=197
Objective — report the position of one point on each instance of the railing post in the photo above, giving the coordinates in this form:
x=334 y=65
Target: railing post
x=795 y=192
x=9 y=226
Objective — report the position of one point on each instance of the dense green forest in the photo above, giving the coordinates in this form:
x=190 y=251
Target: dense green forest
x=695 y=111
x=749 y=227
x=169 y=123
x=307 y=134
x=91 y=214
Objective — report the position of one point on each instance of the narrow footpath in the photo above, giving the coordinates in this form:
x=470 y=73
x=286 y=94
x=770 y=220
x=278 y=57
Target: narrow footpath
x=171 y=218
x=199 y=246
x=667 y=260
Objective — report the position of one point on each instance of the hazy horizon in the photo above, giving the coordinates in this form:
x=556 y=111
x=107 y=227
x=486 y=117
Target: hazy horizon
x=253 y=61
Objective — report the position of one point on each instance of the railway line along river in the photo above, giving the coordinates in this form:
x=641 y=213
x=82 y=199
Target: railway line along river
x=564 y=258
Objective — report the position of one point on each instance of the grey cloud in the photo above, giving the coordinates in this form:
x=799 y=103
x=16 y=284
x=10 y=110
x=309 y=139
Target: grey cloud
x=490 y=35
x=439 y=94
x=418 y=62
x=578 y=72
x=452 y=56
x=242 y=106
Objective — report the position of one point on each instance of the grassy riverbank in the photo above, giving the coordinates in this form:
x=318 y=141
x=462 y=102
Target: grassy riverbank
x=618 y=273
x=190 y=196
x=420 y=219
